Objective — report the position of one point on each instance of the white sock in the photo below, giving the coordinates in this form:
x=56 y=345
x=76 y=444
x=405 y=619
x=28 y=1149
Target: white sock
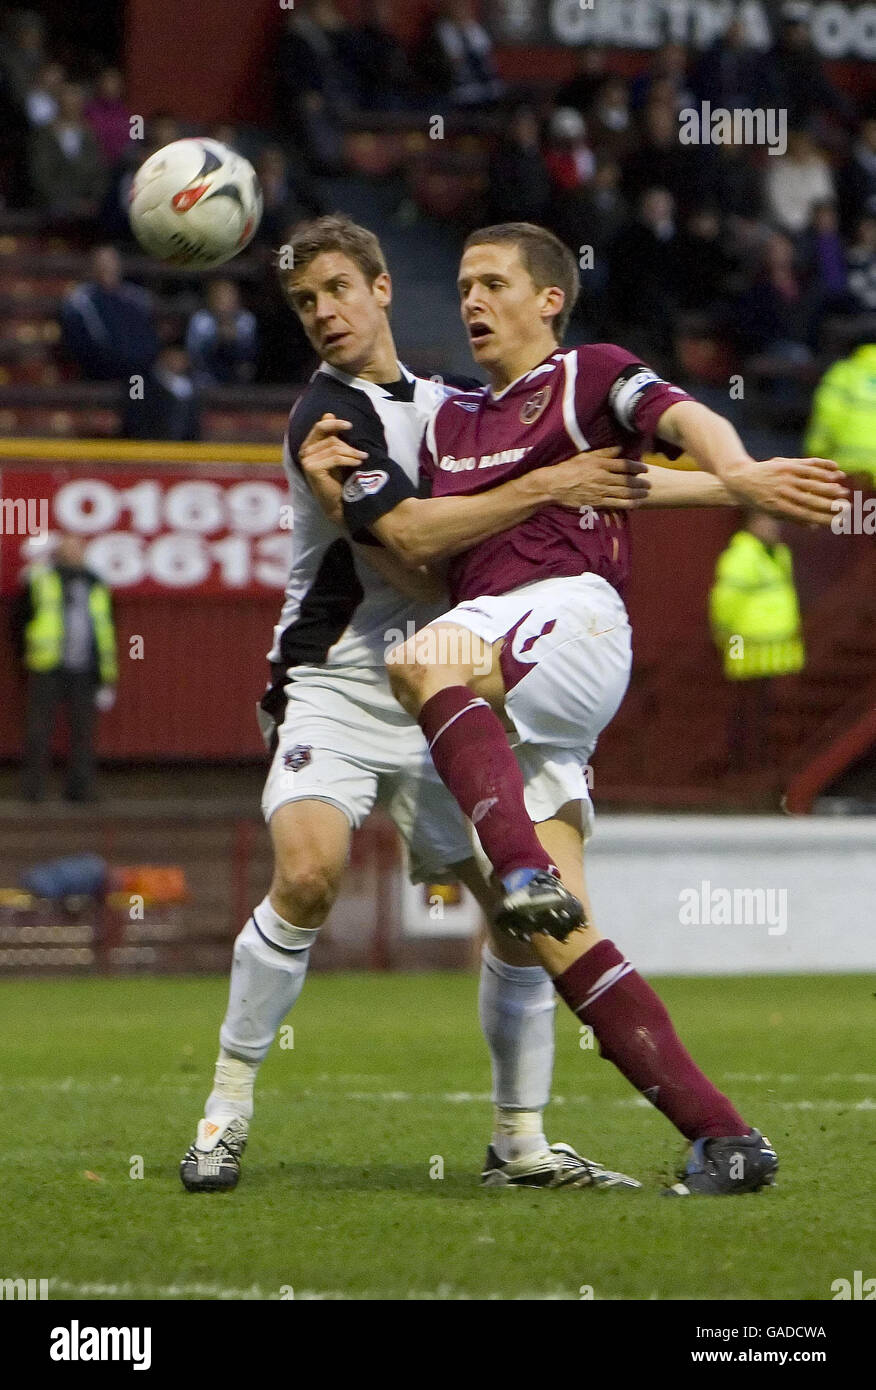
x=517 y=1004
x=517 y=1133
x=265 y=983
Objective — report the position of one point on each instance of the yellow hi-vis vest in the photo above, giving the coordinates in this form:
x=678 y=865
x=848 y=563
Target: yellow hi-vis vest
x=44 y=634
x=843 y=423
x=754 y=612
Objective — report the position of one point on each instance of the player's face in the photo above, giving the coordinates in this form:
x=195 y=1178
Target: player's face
x=342 y=315
x=502 y=309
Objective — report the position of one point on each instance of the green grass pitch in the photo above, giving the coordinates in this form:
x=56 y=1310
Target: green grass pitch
x=384 y=1086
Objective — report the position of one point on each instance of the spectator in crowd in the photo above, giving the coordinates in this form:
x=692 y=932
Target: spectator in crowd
x=520 y=185
x=315 y=82
x=661 y=160
x=798 y=80
x=755 y=619
x=856 y=181
x=108 y=115
x=63 y=629
x=570 y=161
x=288 y=194
x=380 y=62
x=456 y=60
x=168 y=407
x=284 y=353
x=706 y=265
x=862 y=267
x=591 y=75
x=731 y=73
x=23 y=53
x=162 y=129
x=108 y=326
x=773 y=316
x=824 y=257
x=222 y=339
x=600 y=211
x=796 y=182
x=67 y=172
x=666 y=75
x=610 y=122
x=644 y=271
x=842 y=425
x=735 y=185
x=591 y=220
x=41 y=102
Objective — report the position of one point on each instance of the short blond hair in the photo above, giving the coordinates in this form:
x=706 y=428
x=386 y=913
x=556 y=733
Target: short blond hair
x=335 y=233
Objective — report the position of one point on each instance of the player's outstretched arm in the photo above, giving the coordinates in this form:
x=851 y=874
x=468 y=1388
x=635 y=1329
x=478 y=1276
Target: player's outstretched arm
x=421 y=531
x=684 y=487
x=425 y=530
x=800 y=489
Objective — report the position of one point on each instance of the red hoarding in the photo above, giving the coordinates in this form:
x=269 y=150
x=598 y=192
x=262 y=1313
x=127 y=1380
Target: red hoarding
x=158 y=532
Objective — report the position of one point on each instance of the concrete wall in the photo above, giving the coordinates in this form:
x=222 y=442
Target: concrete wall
x=661 y=887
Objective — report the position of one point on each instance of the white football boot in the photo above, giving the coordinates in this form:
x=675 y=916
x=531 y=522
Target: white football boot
x=557 y=1166
x=212 y=1164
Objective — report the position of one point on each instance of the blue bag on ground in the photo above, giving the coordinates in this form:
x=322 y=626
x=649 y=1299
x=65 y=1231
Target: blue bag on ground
x=74 y=876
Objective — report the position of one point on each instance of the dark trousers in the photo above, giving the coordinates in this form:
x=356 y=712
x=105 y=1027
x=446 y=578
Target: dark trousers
x=749 y=729
x=46 y=691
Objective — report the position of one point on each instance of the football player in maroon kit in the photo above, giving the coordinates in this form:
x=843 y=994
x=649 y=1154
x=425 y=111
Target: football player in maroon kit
x=538 y=643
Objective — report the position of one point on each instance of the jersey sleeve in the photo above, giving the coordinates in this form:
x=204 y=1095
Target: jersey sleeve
x=369 y=493
x=380 y=483
x=637 y=395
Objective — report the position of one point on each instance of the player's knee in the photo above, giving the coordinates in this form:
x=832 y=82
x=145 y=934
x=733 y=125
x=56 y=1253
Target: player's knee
x=304 y=893
x=407 y=676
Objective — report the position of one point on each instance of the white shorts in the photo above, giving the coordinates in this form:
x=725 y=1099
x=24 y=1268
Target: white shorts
x=566 y=665
x=339 y=745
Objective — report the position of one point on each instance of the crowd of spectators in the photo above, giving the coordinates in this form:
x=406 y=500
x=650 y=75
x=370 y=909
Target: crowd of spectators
x=768 y=252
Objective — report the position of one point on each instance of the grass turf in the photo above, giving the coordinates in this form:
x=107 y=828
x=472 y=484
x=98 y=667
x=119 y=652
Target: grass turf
x=387 y=1081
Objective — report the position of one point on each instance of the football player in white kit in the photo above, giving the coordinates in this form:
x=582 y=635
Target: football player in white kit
x=342 y=742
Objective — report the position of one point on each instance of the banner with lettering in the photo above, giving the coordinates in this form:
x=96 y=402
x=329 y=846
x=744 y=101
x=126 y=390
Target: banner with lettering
x=840 y=29
x=161 y=532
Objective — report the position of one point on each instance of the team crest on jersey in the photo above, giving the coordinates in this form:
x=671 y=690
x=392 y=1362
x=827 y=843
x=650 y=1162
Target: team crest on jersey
x=365 y=485
x=297 y=758
x=536 y=406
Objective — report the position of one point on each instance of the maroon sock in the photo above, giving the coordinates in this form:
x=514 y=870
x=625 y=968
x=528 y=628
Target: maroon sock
x=635 y=1032
x=471 y=755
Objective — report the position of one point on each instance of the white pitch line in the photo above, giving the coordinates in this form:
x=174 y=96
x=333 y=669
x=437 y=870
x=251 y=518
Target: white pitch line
x=864 y=1078
x=68 y=1086
x=255 y=1293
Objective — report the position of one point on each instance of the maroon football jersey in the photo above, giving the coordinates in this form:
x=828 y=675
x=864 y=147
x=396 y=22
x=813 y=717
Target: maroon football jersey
x=589 y=398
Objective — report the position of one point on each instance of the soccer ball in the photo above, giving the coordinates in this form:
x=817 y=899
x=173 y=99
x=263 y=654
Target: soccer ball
x=195 y=203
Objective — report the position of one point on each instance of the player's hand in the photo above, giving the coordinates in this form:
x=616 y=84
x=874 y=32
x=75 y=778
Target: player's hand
x=806 y=490
x=599 y=479
x=324 y=456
